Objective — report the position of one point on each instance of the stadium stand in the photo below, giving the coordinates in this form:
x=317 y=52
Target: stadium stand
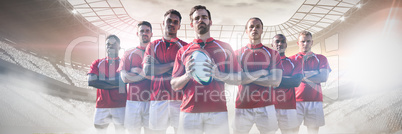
x=371 y=113
x=43 y=94
x=32 y=62
x=68 y=75
x=64 y=78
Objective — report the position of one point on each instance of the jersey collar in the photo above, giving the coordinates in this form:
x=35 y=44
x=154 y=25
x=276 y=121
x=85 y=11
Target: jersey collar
x=254 y=46
x=108 y=58
x=283 y=57
x=171 y=40
x=199 y=41
x=302 y=53
x=141 y=47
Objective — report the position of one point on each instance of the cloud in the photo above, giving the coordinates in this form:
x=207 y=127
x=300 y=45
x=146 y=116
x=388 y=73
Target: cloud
x=238 y=5
x=278 y=1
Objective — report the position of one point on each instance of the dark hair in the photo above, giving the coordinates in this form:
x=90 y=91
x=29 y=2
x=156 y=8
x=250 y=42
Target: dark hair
x=146 y=23
x=280 y=35
x=306 y=33
x=113 y=36
x=256 y=18
x=195 y=8
x=172 y=11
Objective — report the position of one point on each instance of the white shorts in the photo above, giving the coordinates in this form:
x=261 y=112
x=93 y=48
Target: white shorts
x=163 y=114
x=287 y=118
x=137 y=114
x=208 y=123
x=104 y=116
x=311 y=112
x=263 y=117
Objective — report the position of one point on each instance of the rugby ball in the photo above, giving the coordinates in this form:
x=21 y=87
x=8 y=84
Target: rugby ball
x=199 y=74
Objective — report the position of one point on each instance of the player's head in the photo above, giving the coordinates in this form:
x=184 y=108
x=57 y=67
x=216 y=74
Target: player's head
x=144 y=31
x=200 y=18
x=254 y=28
x=112 y=45
x=171 y=22
x=279 y=43
x=305 y=41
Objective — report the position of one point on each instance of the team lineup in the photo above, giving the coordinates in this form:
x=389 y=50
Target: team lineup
x=170 y=83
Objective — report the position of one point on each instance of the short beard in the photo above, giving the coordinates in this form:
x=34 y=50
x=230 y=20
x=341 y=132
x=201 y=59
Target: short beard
x=203 y=30
x=171 y=33
x=145 y=41
x=113 y=54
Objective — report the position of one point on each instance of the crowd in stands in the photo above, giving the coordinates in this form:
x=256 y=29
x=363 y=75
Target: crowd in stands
x=42 y=66
x=77 y=76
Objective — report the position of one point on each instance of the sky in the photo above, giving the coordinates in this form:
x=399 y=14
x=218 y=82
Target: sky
x=224 y=12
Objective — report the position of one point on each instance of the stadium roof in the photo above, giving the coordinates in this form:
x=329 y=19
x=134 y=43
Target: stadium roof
x=288 y=17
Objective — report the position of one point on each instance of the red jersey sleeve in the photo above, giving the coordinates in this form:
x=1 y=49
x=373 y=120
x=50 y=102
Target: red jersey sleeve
x=148 y=51
x=232 y=65
x=178 y=66
x=323 y=63
x=94 y=68
x=275 y=61
x=124 y=62
x=237 y=54
x=297 y=67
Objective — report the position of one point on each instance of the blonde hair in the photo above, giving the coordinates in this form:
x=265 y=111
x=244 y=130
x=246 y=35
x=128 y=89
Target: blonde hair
x=305 y=33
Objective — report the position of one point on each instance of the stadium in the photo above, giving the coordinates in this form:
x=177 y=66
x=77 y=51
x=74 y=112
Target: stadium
x=47 y=46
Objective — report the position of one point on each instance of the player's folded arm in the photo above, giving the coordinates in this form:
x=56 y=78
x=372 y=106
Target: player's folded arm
x=234 y=78
x=250 y=77
x=273 y=79
x=130 y=77
x=229 y=77
x=152 y=67
x=322 y=76
x=292 y=81
x=94 y=81
x=311 y=73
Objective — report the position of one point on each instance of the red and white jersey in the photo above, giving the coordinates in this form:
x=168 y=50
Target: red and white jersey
x=140 y=90
x=253 y=58
x=107 y=98
x=310 y=91
x=199 y=98
x=285 y=97
x=165 y=52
